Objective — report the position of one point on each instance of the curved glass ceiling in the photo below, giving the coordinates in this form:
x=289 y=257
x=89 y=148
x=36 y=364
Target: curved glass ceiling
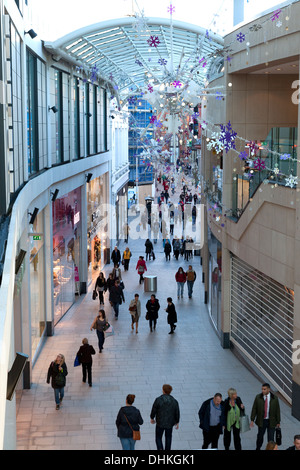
x=138 y=53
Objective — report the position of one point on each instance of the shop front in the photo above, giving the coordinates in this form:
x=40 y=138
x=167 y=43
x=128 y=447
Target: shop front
x=97 y=225
x=67 y=232
x=215 y=273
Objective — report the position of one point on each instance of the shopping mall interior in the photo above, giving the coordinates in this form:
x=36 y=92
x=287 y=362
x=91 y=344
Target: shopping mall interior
x=170 y=133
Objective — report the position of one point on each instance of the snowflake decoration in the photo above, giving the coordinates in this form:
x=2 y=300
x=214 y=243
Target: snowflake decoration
x=276 y=170
x=285 y=156
x=153 y=119
x=153 y=41
x=171 y=9
x=162 y=62
x=291 y=181
x=228 y=136
x=195 y=115
x=203 y=62
x=228 y=58
x=159 y=124
x=240 y=37
x=255 y=27
x=278 y=24
x=219 y=95
x=140 y=23
x=259 y=164
x=139 y=62
x=243 y=155
x=150 y=88
x=132 y=100
x=252 y=147
x=275 y=15
x=176 y=84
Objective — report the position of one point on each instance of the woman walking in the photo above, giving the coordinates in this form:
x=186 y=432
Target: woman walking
x=232 y=406
x=98 y=324
x=101 y=287
x=141 y=267
x=135 y=312
x=126 y=258
x=180 y=277
x=128 y=419
x=57 y=372
x=172 y=315
x=152 y=307
x=84 y=355
x=149 y=248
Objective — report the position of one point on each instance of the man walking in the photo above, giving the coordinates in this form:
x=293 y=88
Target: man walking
x=165 y=413
x=190 y=279
x=116 y=297
x=266 y=414
x=212 y=420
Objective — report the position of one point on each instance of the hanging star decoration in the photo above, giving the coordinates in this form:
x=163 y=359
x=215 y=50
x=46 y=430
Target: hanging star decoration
x=153 y=41
x=227 y=137
x=291 y=181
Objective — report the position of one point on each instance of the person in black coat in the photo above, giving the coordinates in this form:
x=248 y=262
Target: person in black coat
x=101 y=287
x=172 y=315
x=233 y=407
x=149 y=248
x=129 y=418
x=57 y=372
x=296 y=445
x=167 y=250
x=212 y=420
x=152 y=307
x=116 y=256
x=84 y=355
x=115 y=297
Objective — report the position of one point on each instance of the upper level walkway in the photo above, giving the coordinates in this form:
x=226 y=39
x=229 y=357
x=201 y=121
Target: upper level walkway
x=191 y=360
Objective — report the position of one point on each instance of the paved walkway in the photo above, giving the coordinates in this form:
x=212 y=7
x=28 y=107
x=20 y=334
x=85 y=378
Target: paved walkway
x=191 y=360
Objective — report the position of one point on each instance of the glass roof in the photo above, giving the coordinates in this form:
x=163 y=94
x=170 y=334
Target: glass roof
x=136 y=54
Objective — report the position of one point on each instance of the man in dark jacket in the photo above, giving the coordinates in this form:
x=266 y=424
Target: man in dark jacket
x=296 y=445
x=115 y=297
x=165 y=413
x=266 y=414
x=212 y=420
x=116 y=256
x=84 y=355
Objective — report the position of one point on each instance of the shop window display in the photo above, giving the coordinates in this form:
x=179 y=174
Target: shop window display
x=66 y=251
x=37 y=279
x=97 y=235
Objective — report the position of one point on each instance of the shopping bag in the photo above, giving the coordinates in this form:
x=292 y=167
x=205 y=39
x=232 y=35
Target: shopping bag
x=94 y=294
x=244 y=422
x=109 y=331
x=76 y=362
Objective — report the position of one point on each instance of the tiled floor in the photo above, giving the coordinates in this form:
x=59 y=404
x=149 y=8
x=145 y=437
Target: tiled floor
x=191 y=360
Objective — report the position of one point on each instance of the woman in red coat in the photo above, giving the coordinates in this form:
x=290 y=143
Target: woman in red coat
x=141 y=268
x=180 y=277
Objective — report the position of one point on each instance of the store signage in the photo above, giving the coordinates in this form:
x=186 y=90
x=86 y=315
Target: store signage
x=37 y=237
x=76 y=218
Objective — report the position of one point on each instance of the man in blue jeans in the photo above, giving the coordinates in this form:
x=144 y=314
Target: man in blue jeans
x=165 y=413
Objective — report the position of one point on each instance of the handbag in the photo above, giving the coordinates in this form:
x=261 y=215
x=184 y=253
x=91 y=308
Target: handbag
x=109 y=331
x=136 y=435
x=76 y=362
x=278 y=436
x=94 y=294
x=244 y=422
